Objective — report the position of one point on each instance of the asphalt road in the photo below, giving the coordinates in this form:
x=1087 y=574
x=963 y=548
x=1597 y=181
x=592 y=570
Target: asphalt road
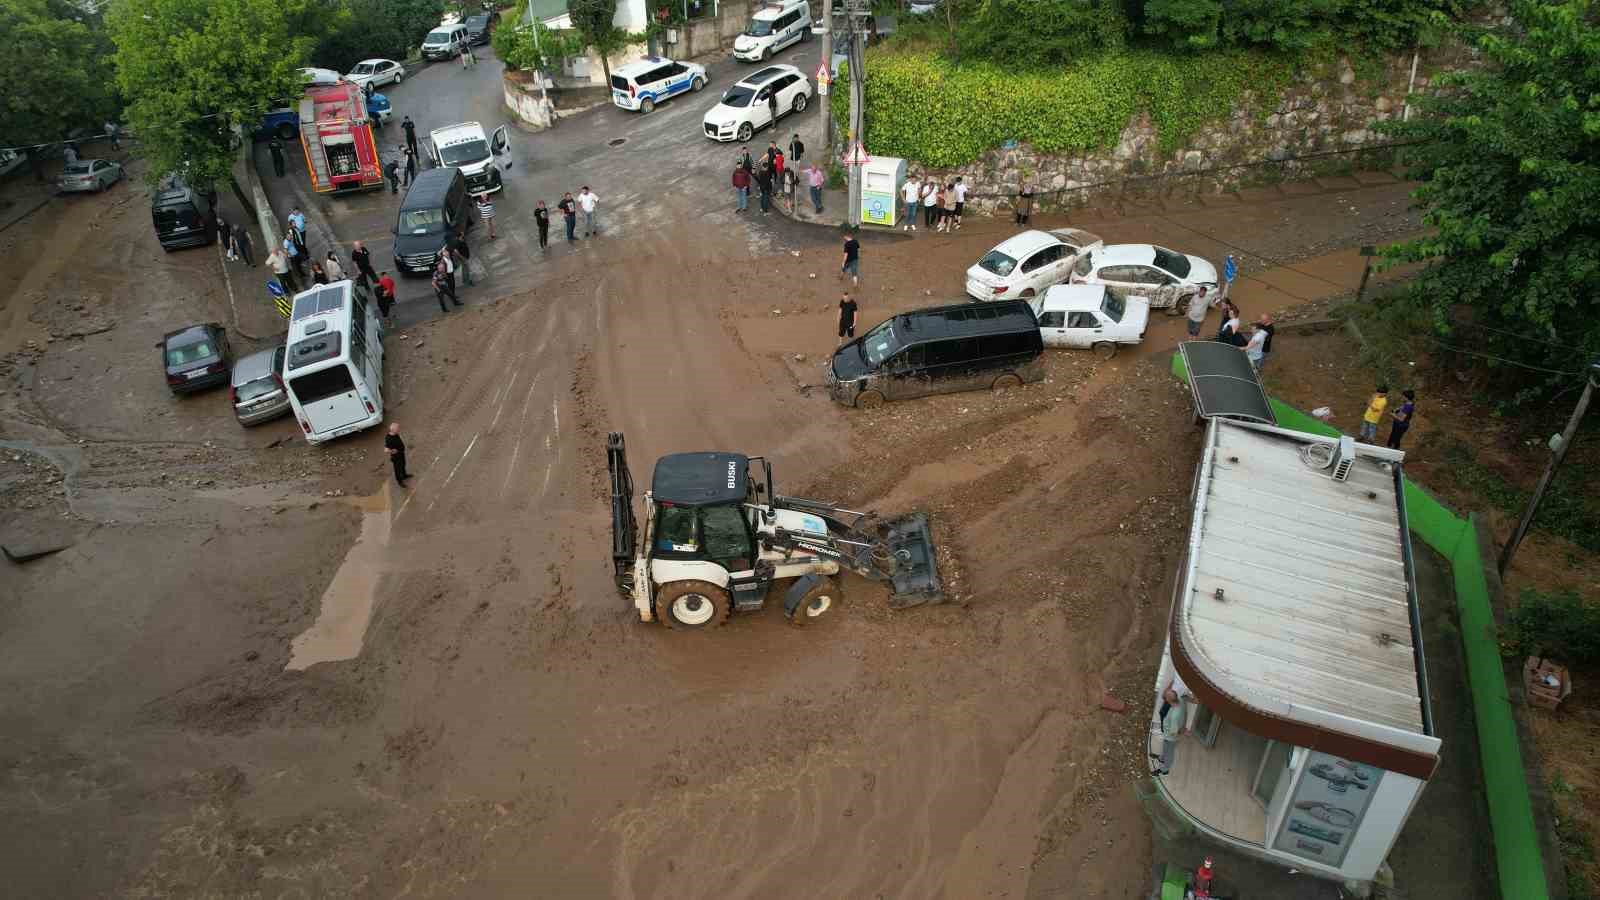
x=655 y=171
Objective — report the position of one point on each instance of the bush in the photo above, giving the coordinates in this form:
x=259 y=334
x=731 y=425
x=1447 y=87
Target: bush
x=1298 y=25
x=942 y=115
x=1559 y=625
x=1057 y=32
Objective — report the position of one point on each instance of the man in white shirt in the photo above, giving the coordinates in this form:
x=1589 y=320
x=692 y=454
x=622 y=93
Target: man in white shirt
x=911 y=194
x=1256 y=348
x=961 y=199
x=586 y=202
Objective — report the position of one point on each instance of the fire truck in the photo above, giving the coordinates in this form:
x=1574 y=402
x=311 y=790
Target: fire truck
x=336 y=134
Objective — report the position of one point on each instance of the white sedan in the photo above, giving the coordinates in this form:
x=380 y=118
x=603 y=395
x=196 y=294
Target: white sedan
x=1024 y=265
x=1166 y=277
x=746 y=107
x=1090 y=316
x=376 y=72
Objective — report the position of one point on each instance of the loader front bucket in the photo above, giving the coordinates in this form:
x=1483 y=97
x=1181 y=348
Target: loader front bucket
x=913 y=563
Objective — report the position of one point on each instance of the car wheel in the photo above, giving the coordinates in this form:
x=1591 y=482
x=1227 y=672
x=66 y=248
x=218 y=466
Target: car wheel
x=766 y=54
x=869 y=400
x=692 y=605
x=1105 y=349
x=1006 y=382
x=799 y=104
x=745 y=131
x=697 y=85
x=647 y=106
x=285 y=131
x=1027 y=293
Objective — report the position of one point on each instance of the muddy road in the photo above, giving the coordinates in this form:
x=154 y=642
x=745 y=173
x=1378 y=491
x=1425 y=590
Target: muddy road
x=264 y=670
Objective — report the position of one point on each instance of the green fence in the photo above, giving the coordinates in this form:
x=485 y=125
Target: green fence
x=1516 y=843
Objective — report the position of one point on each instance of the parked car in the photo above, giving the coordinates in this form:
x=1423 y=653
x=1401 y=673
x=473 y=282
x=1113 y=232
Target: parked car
x=378 y=109
x=183 y=216
x=1166 y=277
x=1024 y=265
x=258 y=392
x=444 y=42
x=1085 y=316
x=641 y=85
x=743 y=109
x=376 y=72
x=772 y=28
x=315 y=77
x=480 y=25
x=196 y=357
x=282 y=123
x=89 y=175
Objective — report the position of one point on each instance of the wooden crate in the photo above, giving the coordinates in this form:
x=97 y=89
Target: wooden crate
x=1536 y=673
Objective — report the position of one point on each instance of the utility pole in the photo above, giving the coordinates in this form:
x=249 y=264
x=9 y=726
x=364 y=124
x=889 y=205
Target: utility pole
x=859 y=11
x=544 y=98
x=827 y=66
x=1560 y=453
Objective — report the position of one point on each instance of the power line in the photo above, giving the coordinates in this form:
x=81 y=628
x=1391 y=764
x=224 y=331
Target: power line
x=1490 y=356
x=1537 y=340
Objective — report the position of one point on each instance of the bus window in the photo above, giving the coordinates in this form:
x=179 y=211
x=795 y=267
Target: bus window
x=322 y=385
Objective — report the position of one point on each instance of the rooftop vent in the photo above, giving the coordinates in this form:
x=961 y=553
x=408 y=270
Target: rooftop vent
x=1335 y=460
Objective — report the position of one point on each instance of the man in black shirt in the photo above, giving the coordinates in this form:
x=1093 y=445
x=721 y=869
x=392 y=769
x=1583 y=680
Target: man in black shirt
x=852 y=259
x=541 y=217
x=569 y=212
x=847 y=316
x=796 y=150
x=1265 y=324
x=410 y=128
x=395 y=446
x=362 y=257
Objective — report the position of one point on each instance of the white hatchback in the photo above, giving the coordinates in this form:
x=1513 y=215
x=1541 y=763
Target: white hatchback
x=1166 y=277
x=1090 y=316
x=1024 y=265
x=747 y=107
x=376 y=72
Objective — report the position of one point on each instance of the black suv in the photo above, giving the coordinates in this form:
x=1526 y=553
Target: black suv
x=434 y=210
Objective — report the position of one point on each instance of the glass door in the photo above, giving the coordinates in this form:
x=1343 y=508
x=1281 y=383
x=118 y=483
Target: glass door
x=1271 y=772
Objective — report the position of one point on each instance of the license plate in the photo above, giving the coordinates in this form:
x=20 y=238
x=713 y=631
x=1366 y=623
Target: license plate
x=195 y=374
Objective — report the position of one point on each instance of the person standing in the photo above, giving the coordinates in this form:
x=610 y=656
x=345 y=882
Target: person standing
x=411 y=165
x=1170 y=722
x=772 y=109
x=241 y=245
x=462 y=255
x=114 y=132
x=395 y=446
x=796 y=150
x=1024 y=208
x=569 y=212
x=1374 y=414
x=587 y=200
x=961 y=199
x=1401 y=419
x=777 y=164
x=947 y=217
x=318 y=275
x=410 y=128
x=442 y=287
x=276 y=146
x=1229 y=329
x=791 y=184
x=814 y=179
x=447 y=261
x=1265 y=324
x=466 y=56
x=1252 y=348
x=541 y=217
x=745 y=160
x=385 y=294
x=911 y=193
x=847 y=317
x=741 y=188
x=332 y=267
x=852 y=259
x=362 y=257
x=225 y=236
x=293 y=254
x=297 y=221
x=486 y=212
x=929 y=195
x=278 y=263
x=764 y=184
x=391 y=171
x=1198 y=304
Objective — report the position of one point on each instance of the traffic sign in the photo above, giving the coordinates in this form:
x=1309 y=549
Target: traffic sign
x=823 y=75
x=280 y=298
x=822 y=89
x=857 y=156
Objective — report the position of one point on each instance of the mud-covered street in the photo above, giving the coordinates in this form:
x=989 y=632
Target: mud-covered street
x=262 y=669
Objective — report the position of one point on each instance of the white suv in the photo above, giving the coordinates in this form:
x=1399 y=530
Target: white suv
x=745 y=107
x=772 y=28
x=641 y=85
x=465 y=147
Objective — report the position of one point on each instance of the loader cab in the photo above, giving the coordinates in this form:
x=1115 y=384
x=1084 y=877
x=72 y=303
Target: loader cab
x=699 y=509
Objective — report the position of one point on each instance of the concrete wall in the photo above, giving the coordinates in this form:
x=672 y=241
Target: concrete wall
x=531 y=110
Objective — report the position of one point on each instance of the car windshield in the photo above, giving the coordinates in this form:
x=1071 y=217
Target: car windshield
x=997 y=262
x=738 y=95
x=439 y=36
x=363 y=69
x=1113 y=306
x=254 y=389
x=421 y=221
x=76 y=169
x=184 y=354
x=759 y=27
x=879 y=344
x=477 y=21
x=468 y=152
x=1175 y=263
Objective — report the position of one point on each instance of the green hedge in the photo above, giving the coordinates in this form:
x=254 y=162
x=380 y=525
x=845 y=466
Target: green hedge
x=926 y=110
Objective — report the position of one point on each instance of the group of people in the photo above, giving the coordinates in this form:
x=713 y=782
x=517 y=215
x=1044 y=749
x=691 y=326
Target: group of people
x=295 y=269
x=942 y=205
x=775 y=173
x=1399 y=419
x=1256 y=342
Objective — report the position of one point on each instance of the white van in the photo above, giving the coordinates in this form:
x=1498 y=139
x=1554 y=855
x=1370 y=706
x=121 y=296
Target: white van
x=444 y=42
x=641 y=85
x=772 y=28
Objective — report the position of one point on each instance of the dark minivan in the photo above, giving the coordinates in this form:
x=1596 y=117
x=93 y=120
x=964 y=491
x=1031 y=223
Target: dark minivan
x=183 y=216
x=435 y=208
x=939 y=350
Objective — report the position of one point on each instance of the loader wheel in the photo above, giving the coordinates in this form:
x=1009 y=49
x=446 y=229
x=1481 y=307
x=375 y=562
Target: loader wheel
x=692 y=605
x=869 y=400
x=1006 y=382
x=1105 y=349
x=816 y=603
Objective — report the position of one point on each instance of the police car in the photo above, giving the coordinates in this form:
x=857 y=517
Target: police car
x=641 y=85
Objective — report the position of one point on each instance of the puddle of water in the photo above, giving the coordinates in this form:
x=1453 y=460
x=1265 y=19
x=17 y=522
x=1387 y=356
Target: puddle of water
x=341 y=626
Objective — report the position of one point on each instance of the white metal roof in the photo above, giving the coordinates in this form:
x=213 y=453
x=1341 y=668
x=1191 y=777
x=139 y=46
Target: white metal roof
x=1314 y=616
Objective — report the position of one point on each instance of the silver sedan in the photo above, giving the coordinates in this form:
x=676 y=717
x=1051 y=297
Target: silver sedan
x=89 y=175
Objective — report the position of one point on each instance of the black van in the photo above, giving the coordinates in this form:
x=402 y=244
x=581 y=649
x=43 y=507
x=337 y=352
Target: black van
x=183 y=216
x=435 y=209
x=939 y=350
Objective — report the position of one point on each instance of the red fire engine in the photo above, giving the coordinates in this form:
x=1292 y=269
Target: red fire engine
x=336 y=134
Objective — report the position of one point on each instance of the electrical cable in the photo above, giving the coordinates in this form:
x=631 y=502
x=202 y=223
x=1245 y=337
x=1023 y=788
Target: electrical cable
x=1537 y=340
x=1501 y=359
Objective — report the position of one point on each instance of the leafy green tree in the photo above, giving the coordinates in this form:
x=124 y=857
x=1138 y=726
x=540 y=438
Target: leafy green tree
x=56 y=71
x=595 y=21
x=1295 y=25
x=1057 y=31
x=1509 y=167
x=361 y=29
x=516 y=47
x=194 y=69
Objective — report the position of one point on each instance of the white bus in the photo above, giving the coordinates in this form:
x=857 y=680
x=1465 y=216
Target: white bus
x=334 y=365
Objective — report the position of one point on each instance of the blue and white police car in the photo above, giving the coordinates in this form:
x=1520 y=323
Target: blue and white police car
x=641 y=85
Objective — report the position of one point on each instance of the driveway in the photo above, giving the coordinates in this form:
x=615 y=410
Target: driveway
x=655 y=171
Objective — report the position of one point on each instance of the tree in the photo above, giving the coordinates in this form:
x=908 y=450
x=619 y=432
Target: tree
x=360 y=29
x=195 y=69
x=517 y=48
x=1509 y=167
x=595 y=21
x=57 y=71
x=1057 y=32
